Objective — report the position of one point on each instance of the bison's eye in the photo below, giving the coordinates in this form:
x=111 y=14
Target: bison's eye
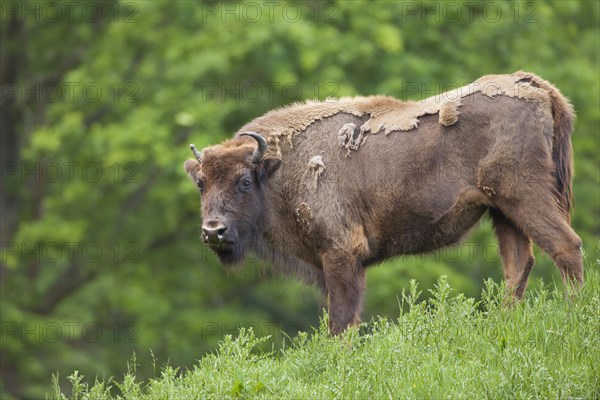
x=200 y=185
x=245 y=184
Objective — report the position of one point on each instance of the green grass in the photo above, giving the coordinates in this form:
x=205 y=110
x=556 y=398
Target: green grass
x=449 y=346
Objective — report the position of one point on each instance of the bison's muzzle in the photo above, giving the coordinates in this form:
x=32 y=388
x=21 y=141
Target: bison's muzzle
x=215 y=232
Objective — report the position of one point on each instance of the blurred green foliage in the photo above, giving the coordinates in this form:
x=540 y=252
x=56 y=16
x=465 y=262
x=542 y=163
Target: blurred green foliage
x=100 y=249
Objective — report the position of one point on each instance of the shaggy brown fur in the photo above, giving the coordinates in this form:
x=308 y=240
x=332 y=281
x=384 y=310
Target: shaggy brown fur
x=501 y=144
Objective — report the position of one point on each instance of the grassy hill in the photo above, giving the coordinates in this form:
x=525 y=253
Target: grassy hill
x=447 y=347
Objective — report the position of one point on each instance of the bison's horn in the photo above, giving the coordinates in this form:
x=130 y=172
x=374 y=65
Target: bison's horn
x=262 y=146
x=196 y=153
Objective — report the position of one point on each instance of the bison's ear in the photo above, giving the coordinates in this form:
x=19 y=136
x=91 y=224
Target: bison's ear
x=192 y=167
x=266 y=167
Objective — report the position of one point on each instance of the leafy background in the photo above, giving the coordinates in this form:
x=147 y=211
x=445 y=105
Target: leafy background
x=101 y=254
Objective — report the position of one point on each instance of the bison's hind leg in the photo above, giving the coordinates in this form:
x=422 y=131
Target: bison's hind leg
x=516 y=252
x=536 y=213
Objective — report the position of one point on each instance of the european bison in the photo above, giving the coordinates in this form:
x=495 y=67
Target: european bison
x=326 y=189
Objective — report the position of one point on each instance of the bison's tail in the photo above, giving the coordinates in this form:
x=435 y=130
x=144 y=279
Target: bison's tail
x=562 y=150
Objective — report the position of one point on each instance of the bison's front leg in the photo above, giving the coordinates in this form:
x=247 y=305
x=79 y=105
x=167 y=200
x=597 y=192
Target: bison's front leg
x=345 y=285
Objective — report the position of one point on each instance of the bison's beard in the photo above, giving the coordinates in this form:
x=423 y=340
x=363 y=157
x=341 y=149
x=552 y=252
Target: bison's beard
x=230 y=257
x=230 y=254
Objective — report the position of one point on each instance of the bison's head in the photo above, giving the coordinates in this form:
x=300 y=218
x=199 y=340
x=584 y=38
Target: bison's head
x=231 y=178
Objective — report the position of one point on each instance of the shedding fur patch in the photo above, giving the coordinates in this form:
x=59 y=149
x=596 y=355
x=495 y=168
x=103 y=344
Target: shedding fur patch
x=449 y=112
x=345 y=134
x=387 y=114
x=317 y=167
x=489 y=191
x=304 y=217
x=350 y=138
